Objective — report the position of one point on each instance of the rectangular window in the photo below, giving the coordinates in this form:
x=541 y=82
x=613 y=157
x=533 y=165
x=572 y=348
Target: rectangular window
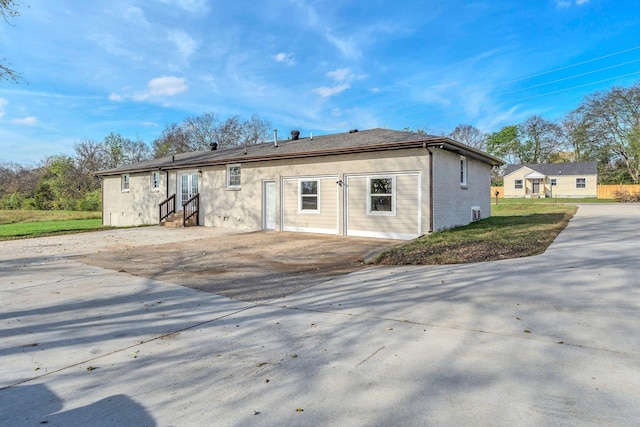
x=155 y=180
x=554 y=181
x=124 y=182
x=233 y=176
x=463 y=170
x=381 y=196
x=518 y=184
x=581 y=182
x=309 y=199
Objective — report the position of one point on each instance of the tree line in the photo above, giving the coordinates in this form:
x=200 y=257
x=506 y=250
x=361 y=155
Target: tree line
x=68 y=182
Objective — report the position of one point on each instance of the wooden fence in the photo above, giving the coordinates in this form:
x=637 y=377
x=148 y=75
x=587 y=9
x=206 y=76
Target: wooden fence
x=604 y=191
x=609 y=191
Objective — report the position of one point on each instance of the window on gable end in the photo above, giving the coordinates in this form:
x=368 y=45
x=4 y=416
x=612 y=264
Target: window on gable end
x=124 y=182
x=463 y=171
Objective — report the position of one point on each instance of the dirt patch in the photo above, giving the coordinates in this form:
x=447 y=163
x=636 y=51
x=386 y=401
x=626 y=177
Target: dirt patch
x=255 y=267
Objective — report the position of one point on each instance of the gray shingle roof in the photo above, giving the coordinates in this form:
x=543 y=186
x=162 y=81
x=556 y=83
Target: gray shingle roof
x=339 y=143
x=555 y=169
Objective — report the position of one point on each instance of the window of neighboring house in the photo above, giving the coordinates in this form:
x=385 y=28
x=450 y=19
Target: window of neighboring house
x=463 y=170
x=554 y=181
x=233 y=176
x=381 y=196
x=124 y=182
x=518 y=184
x=155 y=180
x=309 y=196
x=581 y=182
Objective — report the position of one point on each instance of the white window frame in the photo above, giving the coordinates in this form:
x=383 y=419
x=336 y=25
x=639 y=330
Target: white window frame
x=554 y=182
x=518 y=184
x=392 y=212
x=301 y=195
x=229 y=176
x=155 y=184
x=125 y=182
x=463 y=171
x=583 y=184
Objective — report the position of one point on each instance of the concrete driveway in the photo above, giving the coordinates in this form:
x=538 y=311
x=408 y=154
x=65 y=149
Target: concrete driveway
x=546 y=340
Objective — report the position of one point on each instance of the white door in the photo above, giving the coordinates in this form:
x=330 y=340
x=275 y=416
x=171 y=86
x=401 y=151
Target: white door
x=269 y=205
x=187 y=188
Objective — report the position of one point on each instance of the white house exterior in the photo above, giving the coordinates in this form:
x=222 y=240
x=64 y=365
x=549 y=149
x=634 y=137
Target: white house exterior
x=551 y=180
x=374 y=183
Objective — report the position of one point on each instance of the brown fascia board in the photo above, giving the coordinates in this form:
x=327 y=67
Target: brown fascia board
x=445 y=143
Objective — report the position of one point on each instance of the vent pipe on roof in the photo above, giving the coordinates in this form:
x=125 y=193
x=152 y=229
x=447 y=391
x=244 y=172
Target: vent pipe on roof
x=311 y=135
x=275 y=137
x=353 y=131
x=295 y=135
x=214 y=146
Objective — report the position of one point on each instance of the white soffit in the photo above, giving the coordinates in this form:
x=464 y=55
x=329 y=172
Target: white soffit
x=534 y=175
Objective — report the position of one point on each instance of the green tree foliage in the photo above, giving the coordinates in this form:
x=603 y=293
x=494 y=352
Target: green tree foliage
x=506 y=144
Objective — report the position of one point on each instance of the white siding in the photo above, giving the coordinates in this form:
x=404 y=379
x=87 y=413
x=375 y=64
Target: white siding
x=325 y=221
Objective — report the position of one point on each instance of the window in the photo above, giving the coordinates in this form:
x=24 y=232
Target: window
x=155 y=180
x=381 y=196
x=233 y=176
x=554 y=181
x=309 y=199
x=124 y=182
x=581 y=182
x=463 y=170
x=518 y=184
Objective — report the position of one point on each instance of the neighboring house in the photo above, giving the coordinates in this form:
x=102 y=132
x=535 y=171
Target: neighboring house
x=373 y=183
x=551 y=180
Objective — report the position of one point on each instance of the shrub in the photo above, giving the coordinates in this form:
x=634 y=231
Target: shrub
x=626 y=197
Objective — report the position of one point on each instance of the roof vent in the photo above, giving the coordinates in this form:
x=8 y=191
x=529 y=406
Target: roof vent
x=353 y=131
x=295 y=134
x=214 y=146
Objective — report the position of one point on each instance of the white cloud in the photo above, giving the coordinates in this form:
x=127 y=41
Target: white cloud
x=184 y=42
x=161 y=87
x=3 y=103
x=189 y=5
x=343 y=77
x=27 y=121
x=326 y=92
x=115 y=97
x=286 y=58
x=563 y=4
x=136 y=16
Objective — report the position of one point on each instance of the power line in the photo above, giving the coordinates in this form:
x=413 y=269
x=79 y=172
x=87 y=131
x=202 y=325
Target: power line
x=572 y=65
x=570 y=77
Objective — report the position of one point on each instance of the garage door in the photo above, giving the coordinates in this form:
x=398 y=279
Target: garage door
x=310 y=204
x=384 y=205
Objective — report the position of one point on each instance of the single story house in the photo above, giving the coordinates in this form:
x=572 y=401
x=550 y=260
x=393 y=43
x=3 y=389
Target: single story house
x=373 y=183
x=578 y=179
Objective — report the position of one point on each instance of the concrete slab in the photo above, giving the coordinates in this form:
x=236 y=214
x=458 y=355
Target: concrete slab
x=547 y=340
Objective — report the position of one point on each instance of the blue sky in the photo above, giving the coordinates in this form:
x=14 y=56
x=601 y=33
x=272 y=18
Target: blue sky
x=93 y=67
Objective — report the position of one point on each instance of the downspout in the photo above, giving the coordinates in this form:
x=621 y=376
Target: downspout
x=430 y=188
x=166 y=196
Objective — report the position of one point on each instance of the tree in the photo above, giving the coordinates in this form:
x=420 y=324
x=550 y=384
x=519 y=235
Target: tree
x=469 y=135
x=505 y=144
x=613 y=117
x=540 y=140
x=8 y=10
x=120 y=151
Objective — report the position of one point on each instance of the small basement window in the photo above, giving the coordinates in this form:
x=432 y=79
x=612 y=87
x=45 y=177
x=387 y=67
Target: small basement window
x=124 y=182
x=475 y=213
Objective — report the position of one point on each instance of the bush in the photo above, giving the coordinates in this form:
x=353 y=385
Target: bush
x=92 y=202
x=11 y=201
x=626 y=197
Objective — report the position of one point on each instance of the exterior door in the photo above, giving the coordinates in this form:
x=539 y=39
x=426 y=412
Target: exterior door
x=187 y=188
x=269 y=205
x=536 y=186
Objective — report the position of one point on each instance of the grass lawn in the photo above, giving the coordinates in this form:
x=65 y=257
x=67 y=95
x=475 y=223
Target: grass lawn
x=513 y=230
x=16 y=224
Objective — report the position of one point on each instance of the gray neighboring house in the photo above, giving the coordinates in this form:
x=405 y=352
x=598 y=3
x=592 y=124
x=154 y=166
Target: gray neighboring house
x=373 y=183
x=579 y=179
